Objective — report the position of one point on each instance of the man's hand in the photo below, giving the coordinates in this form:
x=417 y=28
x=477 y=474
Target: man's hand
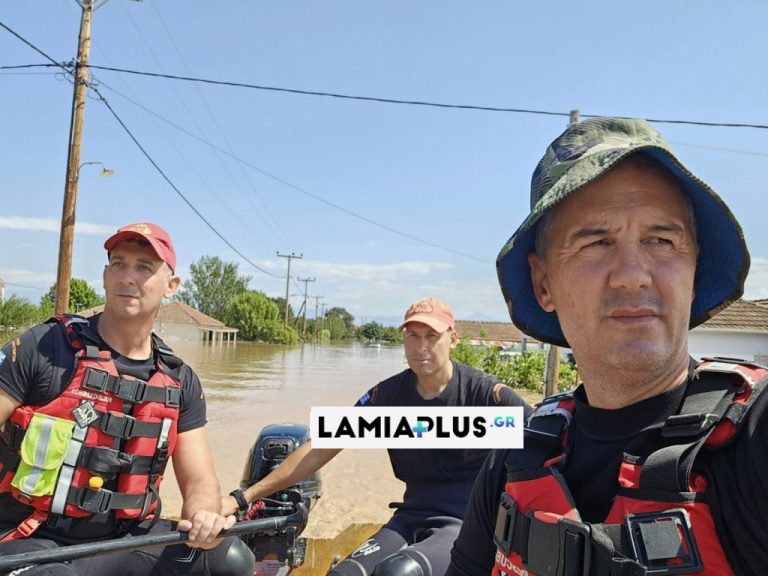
x=229 y=505
x=204 y=527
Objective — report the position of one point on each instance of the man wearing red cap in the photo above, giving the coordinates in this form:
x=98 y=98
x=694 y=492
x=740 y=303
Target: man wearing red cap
x=417 y=539
x=92 y=410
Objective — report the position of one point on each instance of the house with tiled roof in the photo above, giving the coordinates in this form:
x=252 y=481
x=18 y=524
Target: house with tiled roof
x=495 y=334
x=739 y=331
x=177 y=321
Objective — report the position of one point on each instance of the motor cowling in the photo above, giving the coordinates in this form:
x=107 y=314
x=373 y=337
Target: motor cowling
x=273 y=445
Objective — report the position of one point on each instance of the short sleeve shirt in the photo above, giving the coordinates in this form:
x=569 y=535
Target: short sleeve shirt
x=439 y=480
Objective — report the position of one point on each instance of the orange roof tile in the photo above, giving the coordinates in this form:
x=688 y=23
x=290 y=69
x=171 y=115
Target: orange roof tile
x=741 y=315
x=174 y=312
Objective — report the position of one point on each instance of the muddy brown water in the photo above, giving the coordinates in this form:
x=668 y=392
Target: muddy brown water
x=249 y=386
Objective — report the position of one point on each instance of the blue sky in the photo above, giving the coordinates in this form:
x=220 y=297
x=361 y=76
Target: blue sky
x=280 y=172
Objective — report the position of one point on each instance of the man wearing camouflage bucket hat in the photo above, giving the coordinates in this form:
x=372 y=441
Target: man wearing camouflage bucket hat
x=656 y=463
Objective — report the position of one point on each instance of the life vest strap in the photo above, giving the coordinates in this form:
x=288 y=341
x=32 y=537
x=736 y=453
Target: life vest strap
x=27 y=527
x=109 y=462
x=125 y=427
x=129 y=389
x=102 y=501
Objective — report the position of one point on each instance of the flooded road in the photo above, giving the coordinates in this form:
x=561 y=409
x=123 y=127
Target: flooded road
x=249 y=386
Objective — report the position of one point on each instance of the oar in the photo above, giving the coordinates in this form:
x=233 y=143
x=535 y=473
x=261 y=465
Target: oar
x=148 y=541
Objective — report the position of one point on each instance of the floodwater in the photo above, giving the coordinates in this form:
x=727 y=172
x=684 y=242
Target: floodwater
x=249 y=386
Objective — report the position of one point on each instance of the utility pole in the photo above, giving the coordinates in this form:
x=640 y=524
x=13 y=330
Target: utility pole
x=322 y=320
x=552 y=363
x=66 y=238
x=290 y=257
x=314 y=331
x=304 y=306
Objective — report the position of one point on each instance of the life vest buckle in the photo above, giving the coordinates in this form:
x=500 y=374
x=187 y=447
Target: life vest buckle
x=559 y=548
x=172 y=397
x=681 y=425
x=663 y=542
x=505 y=524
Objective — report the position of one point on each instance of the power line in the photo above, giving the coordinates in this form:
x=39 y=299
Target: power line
x=405 y=102
x=146 y=155
x=419 y=102
x=298 y=188
x=173 y=186
x=26 y=287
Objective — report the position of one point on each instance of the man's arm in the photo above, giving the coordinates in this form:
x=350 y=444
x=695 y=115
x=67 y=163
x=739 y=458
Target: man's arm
x=7 y=405
x=300 y=464
x=199 y=487
x=474 y=551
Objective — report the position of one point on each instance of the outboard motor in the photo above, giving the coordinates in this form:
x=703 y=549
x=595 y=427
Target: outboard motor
x=281 y=549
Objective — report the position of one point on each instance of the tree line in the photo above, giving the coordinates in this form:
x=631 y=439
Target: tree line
x=217 y=289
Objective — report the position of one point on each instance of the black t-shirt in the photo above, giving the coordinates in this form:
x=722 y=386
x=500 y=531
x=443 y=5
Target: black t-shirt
x=38 y=365
x=438 y=481
x=737 y=492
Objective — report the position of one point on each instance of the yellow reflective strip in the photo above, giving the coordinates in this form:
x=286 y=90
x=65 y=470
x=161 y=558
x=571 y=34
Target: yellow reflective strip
x=43 y=437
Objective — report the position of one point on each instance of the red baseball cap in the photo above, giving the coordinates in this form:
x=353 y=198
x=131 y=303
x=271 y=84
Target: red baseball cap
x=152 y=233
x=430 y=311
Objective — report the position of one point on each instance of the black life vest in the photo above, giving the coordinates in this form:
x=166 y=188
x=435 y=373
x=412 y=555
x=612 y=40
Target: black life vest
x=103 y=430
x=659 y=522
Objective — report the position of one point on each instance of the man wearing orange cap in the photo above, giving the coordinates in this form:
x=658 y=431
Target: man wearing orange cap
x=417 y=539
x=92 y=410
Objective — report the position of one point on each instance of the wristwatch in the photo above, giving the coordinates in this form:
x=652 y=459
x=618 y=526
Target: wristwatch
x=242 y=503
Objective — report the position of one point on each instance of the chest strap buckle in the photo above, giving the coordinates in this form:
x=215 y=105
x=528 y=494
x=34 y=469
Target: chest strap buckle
x=663 y=542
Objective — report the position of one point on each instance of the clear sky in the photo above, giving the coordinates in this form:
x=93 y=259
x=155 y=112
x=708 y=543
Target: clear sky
x=386 y=202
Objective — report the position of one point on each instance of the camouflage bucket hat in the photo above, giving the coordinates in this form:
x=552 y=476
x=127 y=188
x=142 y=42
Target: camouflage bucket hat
x=580 y=155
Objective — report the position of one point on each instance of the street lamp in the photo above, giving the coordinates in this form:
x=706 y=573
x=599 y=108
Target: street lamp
x=105 y=172
x=67 y=237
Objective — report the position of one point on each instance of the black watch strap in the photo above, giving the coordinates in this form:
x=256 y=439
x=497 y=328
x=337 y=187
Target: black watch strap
x=242 y=503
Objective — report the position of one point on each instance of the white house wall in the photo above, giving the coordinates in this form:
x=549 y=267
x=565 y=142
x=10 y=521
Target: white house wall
x=745 y=345
x=171 y=332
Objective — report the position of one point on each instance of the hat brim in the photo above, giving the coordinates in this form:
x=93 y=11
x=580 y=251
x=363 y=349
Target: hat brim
x=721 y=268
x=434 y=323
x=156 y=245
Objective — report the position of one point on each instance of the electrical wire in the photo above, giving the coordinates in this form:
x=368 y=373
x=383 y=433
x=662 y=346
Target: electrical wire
x=407 y=102
x=420 y=102
x=146 y=155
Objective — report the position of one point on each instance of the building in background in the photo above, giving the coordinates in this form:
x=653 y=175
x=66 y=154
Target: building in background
x=177 y=321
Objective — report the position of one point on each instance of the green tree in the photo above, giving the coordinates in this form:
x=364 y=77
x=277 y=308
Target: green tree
x=81 y=297
x=18 y=312
x=280 y=301
x=340 y=322
x=213 y=283
x=524 y=370
x=371 y=331
x=336 y=328
x=257 y=317
x=392 y=335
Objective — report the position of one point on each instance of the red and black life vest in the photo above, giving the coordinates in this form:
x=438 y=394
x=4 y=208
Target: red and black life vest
x=659 y=522
x=100 y=446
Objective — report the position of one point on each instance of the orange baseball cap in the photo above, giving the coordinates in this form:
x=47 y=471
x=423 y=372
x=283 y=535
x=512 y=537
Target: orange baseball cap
x=152 y=233
x=430 y=311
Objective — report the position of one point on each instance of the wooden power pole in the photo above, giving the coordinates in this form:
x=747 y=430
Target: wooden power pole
x=290 y=257
x=552 y=364
x=304 y=306
x=66 y=239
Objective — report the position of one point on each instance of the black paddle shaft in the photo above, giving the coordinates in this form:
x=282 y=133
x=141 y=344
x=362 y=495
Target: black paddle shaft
x=135 y=543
